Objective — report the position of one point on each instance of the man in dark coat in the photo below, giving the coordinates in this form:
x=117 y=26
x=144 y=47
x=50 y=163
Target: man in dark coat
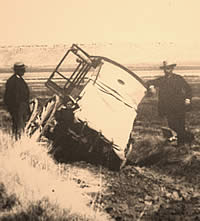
x=16 y=99
x=174 y=97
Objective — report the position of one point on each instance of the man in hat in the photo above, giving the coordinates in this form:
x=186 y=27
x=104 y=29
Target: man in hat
x=174 y=97
x=16 y=99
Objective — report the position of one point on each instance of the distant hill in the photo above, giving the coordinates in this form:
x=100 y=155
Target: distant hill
x=147 y=55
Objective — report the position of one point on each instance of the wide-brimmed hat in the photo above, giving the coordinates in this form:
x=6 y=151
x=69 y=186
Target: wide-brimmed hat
x=19 y=66
x=167 y=66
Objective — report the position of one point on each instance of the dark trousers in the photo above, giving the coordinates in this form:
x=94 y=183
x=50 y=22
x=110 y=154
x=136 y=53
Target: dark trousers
x=19 y=118
x=176 y=121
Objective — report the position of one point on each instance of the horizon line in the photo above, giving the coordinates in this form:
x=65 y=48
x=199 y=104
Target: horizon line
x=47 y=68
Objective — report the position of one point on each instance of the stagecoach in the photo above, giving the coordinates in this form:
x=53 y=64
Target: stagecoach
x=107 y=95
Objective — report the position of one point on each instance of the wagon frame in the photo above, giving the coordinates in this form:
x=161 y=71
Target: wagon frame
x=69 y=87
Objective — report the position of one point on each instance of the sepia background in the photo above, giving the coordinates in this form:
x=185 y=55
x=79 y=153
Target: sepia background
x=137 y=34
x=160 y=182
x=152 y=30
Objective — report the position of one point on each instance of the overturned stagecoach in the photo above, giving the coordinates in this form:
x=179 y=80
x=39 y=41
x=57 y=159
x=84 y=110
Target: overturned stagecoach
x=106 y=95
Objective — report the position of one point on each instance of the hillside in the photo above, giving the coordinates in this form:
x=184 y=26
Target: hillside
x=124 y=53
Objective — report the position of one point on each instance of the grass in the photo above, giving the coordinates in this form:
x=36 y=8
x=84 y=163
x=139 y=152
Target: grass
x=34 y=187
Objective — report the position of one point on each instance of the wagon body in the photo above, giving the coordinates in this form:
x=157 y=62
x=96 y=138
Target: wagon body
x=107 y=94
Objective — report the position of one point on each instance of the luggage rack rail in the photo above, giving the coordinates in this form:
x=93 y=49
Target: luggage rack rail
x=79 y=73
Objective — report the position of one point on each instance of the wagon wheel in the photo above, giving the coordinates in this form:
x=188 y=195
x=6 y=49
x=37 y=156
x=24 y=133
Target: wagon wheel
x=34 y=111
x=44 y=117
x=48 y=114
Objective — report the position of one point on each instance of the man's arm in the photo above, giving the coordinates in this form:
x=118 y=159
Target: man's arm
x=152 y=84
x=155 y=82
x=10 y=94
x=188 y=92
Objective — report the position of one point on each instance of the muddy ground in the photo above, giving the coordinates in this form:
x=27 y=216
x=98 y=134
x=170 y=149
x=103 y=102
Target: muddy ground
x=159 y=182
x=163 y=185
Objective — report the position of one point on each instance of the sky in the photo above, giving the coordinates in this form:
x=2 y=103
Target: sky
x=25 y=22
x=63 y=21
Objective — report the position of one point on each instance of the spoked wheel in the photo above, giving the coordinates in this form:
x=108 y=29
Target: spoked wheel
x=34 y=111
x=40 y=119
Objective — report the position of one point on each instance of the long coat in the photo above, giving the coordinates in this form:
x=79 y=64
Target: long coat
x=172 y=93
x=16 y=93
